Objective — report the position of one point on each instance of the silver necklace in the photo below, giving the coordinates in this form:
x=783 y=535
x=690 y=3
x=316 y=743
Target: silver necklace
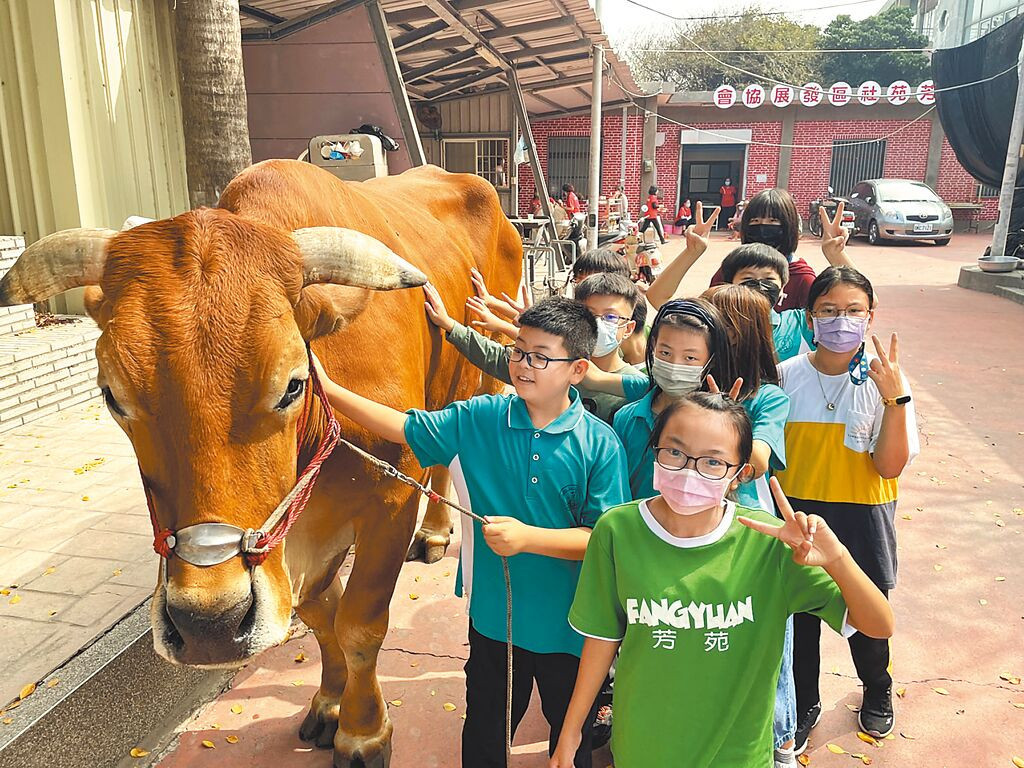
x=830 y=404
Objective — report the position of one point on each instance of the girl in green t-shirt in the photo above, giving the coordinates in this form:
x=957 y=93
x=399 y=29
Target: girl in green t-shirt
x=693 y=592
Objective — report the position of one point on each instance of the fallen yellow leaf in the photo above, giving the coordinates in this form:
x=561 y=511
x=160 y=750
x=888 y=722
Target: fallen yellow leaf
x=237 y=709
x=901 y=692
x=908 y=517
x=300 y=658
x=51 y=569
x=448 y=707
x=5 y=592
x=907 y=736
x=804 y=759
x=52 y=683
x=941 y=691
x=1000 y=523
x=414 y=664
x=395 y=702
x=853 y=707
x=413 y=596
x=216 y=726
x=868 y=739
x=231 y=739
x=85 y=498
x=982 y=601
x=1000 y=578
x=117 y=572
x=297 y=683
x=1018 y=761
x=937 y=567
x=835 y=749
x=1012 y=679
x=136 y=752
x=209 y=745
x=27 y=691
x=866 y=760
x=15 y=600
x=1018 y=704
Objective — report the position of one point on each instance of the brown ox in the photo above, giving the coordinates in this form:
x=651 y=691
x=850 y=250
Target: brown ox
x=202 y=359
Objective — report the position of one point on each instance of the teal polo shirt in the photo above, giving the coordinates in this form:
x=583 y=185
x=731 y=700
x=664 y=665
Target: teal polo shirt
x=562 y=476
x=633 y=424
x=790 y=333
x=768 y=410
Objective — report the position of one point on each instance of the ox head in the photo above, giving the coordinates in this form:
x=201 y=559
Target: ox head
x=202 y=362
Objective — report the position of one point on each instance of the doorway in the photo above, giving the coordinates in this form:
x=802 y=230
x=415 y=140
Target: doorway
x=705 y=167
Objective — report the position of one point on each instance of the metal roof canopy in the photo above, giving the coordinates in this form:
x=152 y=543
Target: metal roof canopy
x=450 y=49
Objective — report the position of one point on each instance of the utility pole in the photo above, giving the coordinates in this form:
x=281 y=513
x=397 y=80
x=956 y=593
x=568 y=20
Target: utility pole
x=595 y=145
x=1013 y=152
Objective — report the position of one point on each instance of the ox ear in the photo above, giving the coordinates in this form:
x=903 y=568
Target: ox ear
x=347 y=257
x=56 y=263
x=324 y=309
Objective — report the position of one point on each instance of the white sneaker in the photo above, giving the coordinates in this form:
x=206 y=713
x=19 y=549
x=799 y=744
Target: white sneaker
x=784 y=757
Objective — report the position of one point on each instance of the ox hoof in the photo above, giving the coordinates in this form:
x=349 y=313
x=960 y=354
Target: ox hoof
x=428 y=546
x=319 y=727
x=380 y=760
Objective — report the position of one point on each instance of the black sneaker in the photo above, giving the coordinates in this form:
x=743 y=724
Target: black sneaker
x=876 y=717
x=803 y=728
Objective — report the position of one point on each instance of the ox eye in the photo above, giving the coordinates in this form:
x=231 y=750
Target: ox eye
x=295 y=389
x=112 y=403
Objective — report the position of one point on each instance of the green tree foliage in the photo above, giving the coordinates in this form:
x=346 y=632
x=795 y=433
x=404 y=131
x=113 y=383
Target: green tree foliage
x=892 y=29
x=652 y=57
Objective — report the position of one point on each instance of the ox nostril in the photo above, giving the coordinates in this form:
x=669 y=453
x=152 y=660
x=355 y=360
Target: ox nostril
x=223 y=625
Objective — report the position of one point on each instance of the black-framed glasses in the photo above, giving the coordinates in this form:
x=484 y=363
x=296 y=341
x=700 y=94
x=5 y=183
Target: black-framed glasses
x=617 y=320
x=534 y=359
x=831 y=312
x=709 y=467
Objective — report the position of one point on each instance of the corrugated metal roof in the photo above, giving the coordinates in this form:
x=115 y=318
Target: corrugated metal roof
x=549 y=42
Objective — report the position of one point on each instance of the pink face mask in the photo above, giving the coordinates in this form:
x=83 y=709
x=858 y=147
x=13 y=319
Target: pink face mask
x=687 y=492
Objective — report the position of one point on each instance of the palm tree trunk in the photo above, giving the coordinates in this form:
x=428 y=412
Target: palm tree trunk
x=212 y=87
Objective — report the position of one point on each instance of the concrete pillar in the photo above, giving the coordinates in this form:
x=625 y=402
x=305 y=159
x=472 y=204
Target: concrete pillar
x=786 y=152
x=649 y=176
x=931 y=172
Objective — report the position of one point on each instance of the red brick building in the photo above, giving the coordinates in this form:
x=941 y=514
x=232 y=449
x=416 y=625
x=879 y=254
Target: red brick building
x=696 y=143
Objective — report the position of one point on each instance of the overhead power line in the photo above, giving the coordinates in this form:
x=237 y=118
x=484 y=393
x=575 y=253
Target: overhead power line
x=749 y=14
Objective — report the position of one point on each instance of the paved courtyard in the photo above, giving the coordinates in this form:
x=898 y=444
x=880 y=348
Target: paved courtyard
x=70 y=501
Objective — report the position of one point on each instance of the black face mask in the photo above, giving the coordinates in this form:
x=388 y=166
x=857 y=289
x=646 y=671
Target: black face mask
x=767 y=288
x=769 y=234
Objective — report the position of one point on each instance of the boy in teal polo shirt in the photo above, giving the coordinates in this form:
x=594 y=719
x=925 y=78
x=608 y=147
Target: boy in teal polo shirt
x=541 y=470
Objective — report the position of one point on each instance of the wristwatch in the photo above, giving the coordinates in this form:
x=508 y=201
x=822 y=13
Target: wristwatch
x=891 y=401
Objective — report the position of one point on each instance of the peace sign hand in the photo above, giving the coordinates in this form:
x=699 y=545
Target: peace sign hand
x=810 y=538
x=833 y=235
x=697 y=234
x=885 y=369
x=734 y=391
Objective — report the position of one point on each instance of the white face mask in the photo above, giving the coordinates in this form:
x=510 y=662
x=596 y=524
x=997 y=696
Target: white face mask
x=677 y=379
x=607 y=338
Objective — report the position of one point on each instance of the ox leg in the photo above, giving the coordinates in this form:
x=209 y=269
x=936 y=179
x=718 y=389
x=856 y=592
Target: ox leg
x=432 y=538
x=364 y=729
x=318 y=614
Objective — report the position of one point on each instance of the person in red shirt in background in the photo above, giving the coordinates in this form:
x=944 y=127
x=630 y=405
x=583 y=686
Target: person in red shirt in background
x=771 y=218
x=729 y=194
x=572 y=203
x=535 y=207
x=653 y=215
x=685 y=216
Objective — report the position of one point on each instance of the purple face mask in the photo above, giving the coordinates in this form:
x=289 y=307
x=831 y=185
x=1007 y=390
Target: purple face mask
x=839 y=334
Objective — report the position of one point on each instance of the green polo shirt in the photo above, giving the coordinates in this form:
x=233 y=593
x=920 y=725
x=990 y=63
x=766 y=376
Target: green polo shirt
x=562 y=476
x=633 y=424
x=790 y=333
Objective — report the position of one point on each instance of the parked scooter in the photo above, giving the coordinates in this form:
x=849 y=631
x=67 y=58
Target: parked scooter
x=614 y=239
x=830 y=203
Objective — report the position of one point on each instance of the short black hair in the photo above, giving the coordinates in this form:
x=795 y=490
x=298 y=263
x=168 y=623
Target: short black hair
x=834 y=276
x=609 y=284
x=640 y=314
x=567 y=319
x=653 y=190
x=755 y=255
x=599 y=260
x=718 y=403
x=774 y=204
x=703 y=317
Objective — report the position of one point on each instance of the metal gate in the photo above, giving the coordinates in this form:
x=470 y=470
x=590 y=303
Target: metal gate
x=853 y=161
x=569 y=163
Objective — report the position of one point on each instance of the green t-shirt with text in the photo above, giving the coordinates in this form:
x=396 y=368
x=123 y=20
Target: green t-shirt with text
x=702 y=622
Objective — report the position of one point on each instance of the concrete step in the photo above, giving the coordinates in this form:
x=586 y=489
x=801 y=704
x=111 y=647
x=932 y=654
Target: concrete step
x=45 y=370
x=114 y=695
x=1013 y=294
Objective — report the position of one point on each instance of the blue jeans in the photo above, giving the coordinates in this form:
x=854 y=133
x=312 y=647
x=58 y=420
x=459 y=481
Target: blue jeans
x=784 y=726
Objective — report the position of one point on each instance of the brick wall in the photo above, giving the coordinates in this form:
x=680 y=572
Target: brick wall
x=42 y=370
x=957 y=186
x=611 y=153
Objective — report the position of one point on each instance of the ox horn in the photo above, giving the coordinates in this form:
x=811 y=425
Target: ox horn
x=347 y=257
x=56 y=263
